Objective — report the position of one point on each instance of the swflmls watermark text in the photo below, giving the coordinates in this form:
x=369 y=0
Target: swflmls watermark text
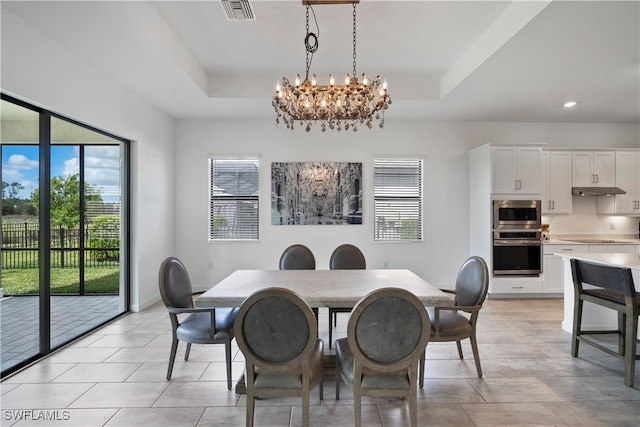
x=36 y=414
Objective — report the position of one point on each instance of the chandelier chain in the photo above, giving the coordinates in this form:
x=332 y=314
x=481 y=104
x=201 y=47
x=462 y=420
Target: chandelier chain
x=310 y=41
x=354 y=40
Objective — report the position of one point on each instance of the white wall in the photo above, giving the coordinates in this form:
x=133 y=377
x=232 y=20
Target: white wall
x=38 y=70
x=444 y=145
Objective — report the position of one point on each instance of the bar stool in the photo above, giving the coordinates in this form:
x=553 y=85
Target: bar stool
x=611 y=287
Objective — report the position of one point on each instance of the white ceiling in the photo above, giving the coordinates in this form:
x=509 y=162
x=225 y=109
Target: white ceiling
x=443 y=60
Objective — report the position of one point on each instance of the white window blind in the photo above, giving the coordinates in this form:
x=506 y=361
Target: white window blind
x=233 y=198
x=397 y=199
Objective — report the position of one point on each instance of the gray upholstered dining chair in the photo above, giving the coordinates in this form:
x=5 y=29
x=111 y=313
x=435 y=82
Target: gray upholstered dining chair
x=297 y=257
x=344 y=257
x=449 y=323
x=610 y=287
x=200 y=325
x=278 y=336
x=387 y=332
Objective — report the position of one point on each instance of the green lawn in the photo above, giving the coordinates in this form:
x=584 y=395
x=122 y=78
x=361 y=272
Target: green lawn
x=63 y=280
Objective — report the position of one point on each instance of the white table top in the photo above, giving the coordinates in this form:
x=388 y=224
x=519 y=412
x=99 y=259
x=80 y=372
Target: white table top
x=320 y=288
x=629 y=260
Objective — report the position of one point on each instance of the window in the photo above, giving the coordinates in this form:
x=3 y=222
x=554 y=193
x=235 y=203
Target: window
x=397 y=197
x=233 y=198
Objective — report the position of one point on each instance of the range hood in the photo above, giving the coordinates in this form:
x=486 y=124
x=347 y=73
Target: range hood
x=596 y=191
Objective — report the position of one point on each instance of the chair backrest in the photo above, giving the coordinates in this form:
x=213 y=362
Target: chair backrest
x=472 y=282
x=297 y=257
x=175 y=285
x=388 y=329
x=616 y=279
x=347 y=257
x=275 y=327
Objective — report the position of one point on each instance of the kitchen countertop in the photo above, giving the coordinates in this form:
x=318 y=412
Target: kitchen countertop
x=631 y=261
x=618 y=239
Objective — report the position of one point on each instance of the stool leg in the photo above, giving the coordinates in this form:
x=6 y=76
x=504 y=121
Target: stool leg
x=577 y=320
x=630 y=347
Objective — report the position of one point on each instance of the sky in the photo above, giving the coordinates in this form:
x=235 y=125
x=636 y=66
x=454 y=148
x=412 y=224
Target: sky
x=102 y=167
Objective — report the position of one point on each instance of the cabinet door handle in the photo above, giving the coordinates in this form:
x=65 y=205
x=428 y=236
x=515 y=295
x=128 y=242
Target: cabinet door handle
x=515 y=184
x=553 y=204
x=517 y=287
x=596 y=175
x=567 y=250
x=519 y=185
x=549 y=204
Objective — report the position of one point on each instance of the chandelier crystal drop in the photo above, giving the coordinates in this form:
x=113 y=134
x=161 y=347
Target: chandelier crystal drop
x=335 y=106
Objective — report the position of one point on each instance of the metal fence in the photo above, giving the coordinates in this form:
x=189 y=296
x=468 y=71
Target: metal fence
x=20 y=245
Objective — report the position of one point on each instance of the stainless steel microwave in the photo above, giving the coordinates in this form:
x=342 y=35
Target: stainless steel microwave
x=517 y=214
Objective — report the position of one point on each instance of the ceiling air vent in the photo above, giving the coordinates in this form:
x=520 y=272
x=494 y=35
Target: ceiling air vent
x=238 y=10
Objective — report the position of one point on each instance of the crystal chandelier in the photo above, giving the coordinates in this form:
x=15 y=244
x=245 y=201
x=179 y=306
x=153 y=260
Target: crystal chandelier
x=335 y=106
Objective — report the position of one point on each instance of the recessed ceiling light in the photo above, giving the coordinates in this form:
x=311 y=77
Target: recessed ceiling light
x=570 y=104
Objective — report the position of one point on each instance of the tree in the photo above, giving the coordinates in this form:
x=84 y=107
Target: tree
x=65 y=199
x=11 y=190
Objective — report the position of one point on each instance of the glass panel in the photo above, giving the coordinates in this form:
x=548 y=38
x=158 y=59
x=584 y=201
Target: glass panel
x=19 y=285
x=86 y=231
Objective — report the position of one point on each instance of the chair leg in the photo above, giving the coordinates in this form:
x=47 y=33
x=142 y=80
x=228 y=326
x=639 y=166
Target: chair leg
x=172 y=357
x=186 y=353
x=421 y=363
x=459 y=349
x=577 y=321
x=631 y=332
x=251 y=402
x=357 y=401
x=476 y=355
x=330 y=331
x=227 y=347
x=305 y=409
x=337 y=380
x=413 y=397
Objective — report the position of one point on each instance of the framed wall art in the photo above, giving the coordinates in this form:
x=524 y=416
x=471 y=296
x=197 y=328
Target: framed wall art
x=318 y=193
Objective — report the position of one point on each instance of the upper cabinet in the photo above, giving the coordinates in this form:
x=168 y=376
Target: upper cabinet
x=556 y=174
x=516 y=170
x=594 y=169
x=628 y=179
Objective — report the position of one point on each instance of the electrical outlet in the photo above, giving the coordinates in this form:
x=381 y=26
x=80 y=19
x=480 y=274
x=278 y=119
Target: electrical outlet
x=612 y=226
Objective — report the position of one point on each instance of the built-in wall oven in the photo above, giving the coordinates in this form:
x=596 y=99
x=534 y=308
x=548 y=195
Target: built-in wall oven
x=517 y=238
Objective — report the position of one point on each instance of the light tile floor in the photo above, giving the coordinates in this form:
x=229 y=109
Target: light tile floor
x=116 y=377
x=71 y=316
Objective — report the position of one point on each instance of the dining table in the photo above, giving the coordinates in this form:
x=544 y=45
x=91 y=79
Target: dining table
x=320 y=288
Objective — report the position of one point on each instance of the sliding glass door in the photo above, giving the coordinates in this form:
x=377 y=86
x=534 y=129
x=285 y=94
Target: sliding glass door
x=64 y=227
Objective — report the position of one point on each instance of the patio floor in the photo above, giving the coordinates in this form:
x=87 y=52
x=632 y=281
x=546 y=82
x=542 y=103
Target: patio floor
x=71 y=315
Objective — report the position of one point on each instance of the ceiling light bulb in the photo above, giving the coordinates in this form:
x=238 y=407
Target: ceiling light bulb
x=384 y=85
x=365 y=81
x=331 y=80
x=298 y=80
x=570 y=104
x=347 y=80
x=278 y=88
x=313 y=80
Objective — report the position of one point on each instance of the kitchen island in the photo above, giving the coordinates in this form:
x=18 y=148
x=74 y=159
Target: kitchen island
x=593 y=316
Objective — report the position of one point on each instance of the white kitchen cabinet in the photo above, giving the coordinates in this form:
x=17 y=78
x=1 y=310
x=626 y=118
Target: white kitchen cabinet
x=552 y=272
x=556 y=175
x=628 y=179
x=594 y=168
x=516 y=170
